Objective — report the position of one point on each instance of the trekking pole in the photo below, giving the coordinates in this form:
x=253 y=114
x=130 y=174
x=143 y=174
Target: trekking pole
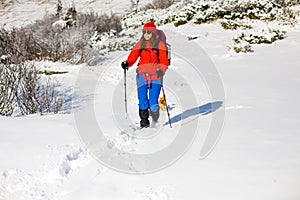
x=125 y=99
x=164 y=95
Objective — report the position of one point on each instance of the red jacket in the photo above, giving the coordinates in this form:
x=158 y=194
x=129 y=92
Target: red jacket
x=149 y=61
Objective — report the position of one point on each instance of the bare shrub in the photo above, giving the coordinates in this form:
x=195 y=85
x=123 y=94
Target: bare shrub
x=159 y=4
x=100 y=23
x=134 y=5
x=9 y=47
x=48 y=99
x=162 y=4
x=7 y=89
x=149 y=6
x=286 y=3
x=6 y=3
x=23 y=89
x=44 y=41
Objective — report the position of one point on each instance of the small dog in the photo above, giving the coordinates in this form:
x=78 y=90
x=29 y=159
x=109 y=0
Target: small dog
x=162 y=104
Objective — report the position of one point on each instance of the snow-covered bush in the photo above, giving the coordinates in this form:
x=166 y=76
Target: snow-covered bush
x=67 y=18
x=262 y=37
x=243 y=41
x=234 y=25
x=110 y=42
x=207 y=12
x=23 y=90
x=201 y=11
x=242 y=47
x=233 y=15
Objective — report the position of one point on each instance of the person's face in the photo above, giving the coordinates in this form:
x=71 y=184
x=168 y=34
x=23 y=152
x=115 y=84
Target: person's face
x=147 y=35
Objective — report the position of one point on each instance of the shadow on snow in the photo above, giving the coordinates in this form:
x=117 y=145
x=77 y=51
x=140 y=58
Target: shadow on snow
x=201 y=110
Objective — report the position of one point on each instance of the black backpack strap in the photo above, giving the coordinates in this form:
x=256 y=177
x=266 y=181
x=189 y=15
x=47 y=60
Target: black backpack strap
x=157 y=53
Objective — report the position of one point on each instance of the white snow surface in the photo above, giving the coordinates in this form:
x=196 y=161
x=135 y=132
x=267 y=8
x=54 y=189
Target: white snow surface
x=257 y=156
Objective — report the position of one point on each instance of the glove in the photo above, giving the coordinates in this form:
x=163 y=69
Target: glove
x=125 y=65
x=159 y=73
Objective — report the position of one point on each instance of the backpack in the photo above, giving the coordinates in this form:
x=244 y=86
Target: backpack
x=162 y=37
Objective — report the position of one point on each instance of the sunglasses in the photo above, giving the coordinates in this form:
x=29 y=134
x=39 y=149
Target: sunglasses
x=148 y=32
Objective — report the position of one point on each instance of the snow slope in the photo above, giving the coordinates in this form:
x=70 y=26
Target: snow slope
x=257 y=156
x=23 y=12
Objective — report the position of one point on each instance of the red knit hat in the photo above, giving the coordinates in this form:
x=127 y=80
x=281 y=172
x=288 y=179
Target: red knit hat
x=150 y=26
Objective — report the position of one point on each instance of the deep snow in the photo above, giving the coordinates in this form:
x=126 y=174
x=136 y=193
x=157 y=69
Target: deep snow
x=257 y=156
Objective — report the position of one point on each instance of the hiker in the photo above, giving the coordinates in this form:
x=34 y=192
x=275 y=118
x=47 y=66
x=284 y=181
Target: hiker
x=152 y=66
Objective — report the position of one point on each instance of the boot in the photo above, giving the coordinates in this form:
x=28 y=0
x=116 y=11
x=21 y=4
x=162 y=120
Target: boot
x=144 y=115
x=154 y=115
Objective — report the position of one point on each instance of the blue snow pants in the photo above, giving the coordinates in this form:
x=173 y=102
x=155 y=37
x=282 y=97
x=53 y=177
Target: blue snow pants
x=148 y=94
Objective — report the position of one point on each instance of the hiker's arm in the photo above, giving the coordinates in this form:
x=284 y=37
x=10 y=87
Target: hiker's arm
x=163 y=57
x=134 y=54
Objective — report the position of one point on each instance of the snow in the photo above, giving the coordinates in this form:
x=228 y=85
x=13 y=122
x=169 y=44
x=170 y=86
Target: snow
x=24 y=12
x=256 y=156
